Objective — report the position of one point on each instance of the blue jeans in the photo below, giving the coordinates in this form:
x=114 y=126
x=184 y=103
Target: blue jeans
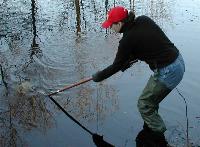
x=172 y=74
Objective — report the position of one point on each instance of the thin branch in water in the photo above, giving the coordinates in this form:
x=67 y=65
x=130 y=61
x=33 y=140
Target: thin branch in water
x=186 y=115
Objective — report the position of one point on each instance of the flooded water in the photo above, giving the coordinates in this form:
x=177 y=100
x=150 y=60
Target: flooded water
x=48 y=44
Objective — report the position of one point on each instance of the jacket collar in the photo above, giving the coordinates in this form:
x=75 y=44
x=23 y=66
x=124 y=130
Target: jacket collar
x=127 y=26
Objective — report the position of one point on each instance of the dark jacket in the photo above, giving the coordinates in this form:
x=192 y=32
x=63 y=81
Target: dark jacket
x=144 y=40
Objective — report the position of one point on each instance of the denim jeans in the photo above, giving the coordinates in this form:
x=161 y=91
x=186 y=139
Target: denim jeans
x=172 y=74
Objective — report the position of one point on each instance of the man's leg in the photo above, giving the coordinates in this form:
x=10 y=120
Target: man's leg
x=148 y=105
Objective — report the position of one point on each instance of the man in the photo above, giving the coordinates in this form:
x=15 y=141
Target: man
x=144 y=40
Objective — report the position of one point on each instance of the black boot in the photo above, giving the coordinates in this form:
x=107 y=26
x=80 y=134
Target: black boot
x=149 y=138
x=159 y=138
x=143 y=139
x=146 y=128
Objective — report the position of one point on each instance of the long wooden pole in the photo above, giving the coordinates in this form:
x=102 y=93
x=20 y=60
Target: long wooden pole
x=72 y=85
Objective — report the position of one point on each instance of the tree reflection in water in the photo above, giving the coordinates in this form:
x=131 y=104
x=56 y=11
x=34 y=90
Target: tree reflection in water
x=24 y=113
x=23 y=109
x=29 y=110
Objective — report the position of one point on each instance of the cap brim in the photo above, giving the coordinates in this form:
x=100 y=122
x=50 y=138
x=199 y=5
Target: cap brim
x=106 y=24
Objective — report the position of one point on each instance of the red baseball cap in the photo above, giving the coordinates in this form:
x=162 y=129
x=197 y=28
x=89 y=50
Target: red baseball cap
x=115 y=14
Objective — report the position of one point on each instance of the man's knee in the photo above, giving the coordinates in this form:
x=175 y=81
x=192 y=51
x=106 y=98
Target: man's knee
x=145 y=108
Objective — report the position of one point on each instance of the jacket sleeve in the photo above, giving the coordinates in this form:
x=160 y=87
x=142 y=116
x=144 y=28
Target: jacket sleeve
x=119 y=61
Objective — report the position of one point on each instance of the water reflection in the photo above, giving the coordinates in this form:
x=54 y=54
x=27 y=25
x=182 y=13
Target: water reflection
x=52 y=67
x=132 y=4
x=159 y=10
x=86 y=102
x=35 y=49
x=3 y=79
x=24 y=112
x=22 y=109
x=78 y=17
